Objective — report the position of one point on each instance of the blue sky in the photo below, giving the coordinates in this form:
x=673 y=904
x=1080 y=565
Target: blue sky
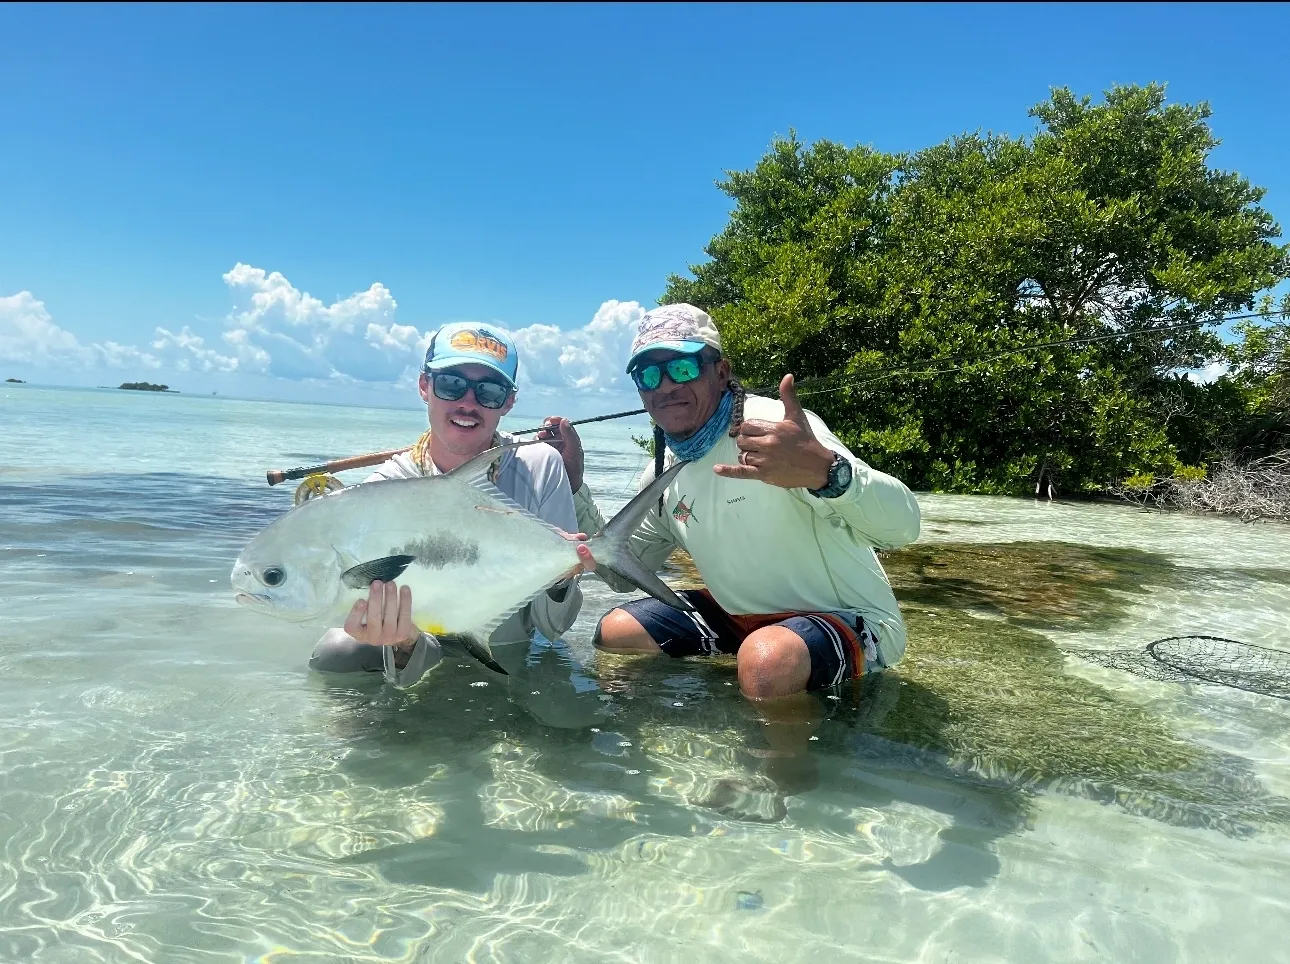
x=544 y=167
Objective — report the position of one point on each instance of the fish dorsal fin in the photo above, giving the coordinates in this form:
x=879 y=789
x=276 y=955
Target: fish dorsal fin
x=497 y=495
x=477 y=468
x=474 y=472
x=386 y=569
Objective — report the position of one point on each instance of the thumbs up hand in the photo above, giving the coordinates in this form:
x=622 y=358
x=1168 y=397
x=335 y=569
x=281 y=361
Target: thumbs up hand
x=784 y=453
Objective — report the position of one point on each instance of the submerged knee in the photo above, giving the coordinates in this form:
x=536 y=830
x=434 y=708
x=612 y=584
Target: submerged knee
x=335 y=640
x=773 y=665
x=619 y=630
x=339 y=652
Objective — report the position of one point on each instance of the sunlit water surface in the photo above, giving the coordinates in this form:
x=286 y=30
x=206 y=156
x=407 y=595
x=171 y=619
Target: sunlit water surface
x=177 y=786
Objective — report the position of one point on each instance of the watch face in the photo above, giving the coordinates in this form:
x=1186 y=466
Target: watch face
x=843 y=472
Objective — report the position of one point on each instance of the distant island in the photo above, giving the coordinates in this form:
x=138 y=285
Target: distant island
x=146 y=387
x=16 y=381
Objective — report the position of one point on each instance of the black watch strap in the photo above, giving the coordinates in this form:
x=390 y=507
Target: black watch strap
x=839 y=479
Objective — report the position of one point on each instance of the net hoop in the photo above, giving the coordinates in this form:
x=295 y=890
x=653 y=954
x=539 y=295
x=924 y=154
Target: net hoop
x=1159 y=651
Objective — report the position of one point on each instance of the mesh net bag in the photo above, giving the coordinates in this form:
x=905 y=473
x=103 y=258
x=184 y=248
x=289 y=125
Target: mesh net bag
x=1210 y=659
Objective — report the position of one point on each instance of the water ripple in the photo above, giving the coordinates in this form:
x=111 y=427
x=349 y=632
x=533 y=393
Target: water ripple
x=178 y=787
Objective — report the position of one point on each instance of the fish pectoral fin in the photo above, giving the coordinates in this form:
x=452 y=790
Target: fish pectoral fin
x=478 y=647
x=386 y=569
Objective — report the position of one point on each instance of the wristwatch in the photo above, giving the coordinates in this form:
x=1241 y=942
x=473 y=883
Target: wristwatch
x=839 y=478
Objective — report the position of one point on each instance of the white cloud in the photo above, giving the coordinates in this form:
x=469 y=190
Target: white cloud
x=272 y=295
x=298 y=336
x=278 y=330
x=405 y=340
x=283 y=331
x=29 y=336
x=1211 y=372
x=250 y=357
x=192 y=352
x=590 y=358
x=109 y=354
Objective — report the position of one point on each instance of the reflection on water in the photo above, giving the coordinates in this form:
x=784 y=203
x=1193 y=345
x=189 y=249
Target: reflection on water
x=178 y=787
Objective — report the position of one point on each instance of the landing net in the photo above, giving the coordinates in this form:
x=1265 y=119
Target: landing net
x=1211 y=659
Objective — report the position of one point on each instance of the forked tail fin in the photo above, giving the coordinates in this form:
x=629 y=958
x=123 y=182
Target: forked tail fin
x=612 y=545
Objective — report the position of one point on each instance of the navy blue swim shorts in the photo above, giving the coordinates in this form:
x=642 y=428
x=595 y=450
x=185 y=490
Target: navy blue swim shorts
x=837 y=647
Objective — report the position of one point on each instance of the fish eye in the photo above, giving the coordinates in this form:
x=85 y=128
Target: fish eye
x=273 y=576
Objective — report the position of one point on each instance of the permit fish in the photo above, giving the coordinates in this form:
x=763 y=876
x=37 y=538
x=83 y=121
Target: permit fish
x=471 y=555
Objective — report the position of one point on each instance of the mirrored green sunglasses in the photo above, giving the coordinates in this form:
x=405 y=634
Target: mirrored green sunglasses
x=682 y=369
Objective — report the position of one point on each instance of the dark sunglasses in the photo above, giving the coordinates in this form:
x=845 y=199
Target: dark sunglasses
x=451 y=387
x=682 y=369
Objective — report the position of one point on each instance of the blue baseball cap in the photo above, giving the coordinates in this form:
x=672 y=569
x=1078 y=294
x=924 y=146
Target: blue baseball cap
x=468 y=342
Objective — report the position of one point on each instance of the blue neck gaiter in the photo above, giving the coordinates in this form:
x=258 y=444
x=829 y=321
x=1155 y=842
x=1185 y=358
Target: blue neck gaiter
x=701 y=442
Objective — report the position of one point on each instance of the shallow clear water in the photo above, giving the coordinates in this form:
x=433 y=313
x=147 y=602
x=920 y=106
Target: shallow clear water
x=176 y=786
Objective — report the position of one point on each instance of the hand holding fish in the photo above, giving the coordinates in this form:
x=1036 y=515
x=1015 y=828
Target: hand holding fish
x=561 y=434
x=384 y=618
x=784 y=453
x=587 y=562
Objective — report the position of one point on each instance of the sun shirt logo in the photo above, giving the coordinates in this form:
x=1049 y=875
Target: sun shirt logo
x=682 y=512
x=478 y=341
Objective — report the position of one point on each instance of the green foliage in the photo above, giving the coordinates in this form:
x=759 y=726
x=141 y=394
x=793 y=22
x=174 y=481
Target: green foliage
x=646 y=442
x=850 y=264
x=1260 y=375
x=1140 y=482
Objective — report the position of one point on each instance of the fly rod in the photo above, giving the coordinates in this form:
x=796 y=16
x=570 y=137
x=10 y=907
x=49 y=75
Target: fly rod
x=584 y=421
x=274 y=476
x=337 y=465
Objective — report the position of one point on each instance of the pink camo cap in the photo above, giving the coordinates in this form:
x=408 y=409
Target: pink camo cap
x=679 y=327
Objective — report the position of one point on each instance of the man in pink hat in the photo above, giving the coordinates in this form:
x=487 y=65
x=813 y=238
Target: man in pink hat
x=780 y=519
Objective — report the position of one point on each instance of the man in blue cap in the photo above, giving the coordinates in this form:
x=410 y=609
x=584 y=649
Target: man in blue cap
x=468 y=383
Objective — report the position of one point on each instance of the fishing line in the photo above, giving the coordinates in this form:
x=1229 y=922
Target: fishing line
x=923 y=368
x=871 y=375
x=862 y=378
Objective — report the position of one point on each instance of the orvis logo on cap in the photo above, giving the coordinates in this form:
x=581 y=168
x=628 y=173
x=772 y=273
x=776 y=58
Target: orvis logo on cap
x=478 y=341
